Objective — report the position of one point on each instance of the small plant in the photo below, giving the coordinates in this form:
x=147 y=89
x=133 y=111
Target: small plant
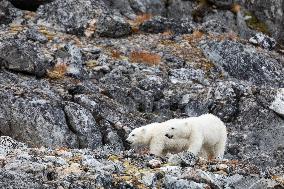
x=140 y=19
x=145 y=57
x=195 y=36
x=58 y=71
x=91 y=64
x=115 y=54
x=236 y=8
x=254 y=23
x=168 y=33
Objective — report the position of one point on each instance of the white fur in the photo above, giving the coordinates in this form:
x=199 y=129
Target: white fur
x=204 y=134
x=153 y=136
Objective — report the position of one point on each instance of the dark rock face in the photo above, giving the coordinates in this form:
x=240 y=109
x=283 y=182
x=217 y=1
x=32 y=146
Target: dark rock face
x=271 y=13
x=34 y=35
x=264 y=41
x=84 y=125
x=222 y=4
x=8 y=12
x=161 y=24
x=70 y=16
x=245 y=63
x=112 y=26
x=23 y=56
x=29 y=4
x=31 y=118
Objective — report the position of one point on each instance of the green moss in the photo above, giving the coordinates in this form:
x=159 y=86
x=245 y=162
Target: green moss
x=256 y=24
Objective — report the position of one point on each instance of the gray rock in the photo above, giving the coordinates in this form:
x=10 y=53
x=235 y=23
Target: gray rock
x=149 y=179
x=269 y=12
x=123 y=6
x=7 y=12
x=179 y=9
x=161 y=24
x=34 y=35
x=222 y=4
x=82 y=123
x=263 y=40
x=23 y=56
x=29 y=4
x=252 y=182
x=112 y=26
x=245 y=63
x=187 y=76
x=219 y=22
x=145 y=6
x=278 y=104
x=70 y=16
x=71 y=55
x=183 y=159
x=7 y=145
x=174 y=182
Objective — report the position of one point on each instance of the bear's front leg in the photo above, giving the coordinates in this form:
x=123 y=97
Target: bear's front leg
x=195 y=143
x=156 y=147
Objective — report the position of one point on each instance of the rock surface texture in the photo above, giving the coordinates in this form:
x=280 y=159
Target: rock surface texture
x=77 y=76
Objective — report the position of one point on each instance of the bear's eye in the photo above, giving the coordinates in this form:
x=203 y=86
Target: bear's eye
x=173 y=128
x=133 y=134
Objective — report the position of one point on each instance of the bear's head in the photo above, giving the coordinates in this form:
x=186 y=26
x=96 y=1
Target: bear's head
x=139 y=136
x=177 y=129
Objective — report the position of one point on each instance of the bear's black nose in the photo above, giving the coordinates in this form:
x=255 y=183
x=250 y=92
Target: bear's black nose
x=128 y=142
x=169 y=136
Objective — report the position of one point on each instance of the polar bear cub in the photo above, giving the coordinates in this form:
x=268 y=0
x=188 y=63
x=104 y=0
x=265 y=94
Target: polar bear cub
x=153 y=136
x=206 y=133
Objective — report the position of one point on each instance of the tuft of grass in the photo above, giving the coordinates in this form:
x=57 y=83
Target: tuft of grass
x=115 y=54
x=256 y=24
x=236 y=8
x=168 y=33
x=58 y=71
x=140 y=19
x=91 y=64
x=195 y=36
x=145 y=57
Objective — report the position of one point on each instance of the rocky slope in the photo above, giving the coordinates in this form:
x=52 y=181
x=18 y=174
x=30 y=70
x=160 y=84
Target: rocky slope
x=77 y=76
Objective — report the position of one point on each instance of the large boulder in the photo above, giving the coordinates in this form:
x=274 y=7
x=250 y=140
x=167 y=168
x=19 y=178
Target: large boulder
x=245 y=63
x=8 y=12
x=110 y=25
x=269 y=12
x=23 y=56
x=70 y=16
x=31 y=5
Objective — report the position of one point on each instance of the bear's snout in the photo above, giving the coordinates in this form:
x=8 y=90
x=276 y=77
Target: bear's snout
x=128 y=142
x=169 y=136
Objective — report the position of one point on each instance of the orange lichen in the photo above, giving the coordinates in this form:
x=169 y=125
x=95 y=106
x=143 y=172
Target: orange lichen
x=58 y=71
x=145 y=57
x=168 y=33
x=140 y=19
x=236 y=8
x=115 y=54
x=195 y=36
